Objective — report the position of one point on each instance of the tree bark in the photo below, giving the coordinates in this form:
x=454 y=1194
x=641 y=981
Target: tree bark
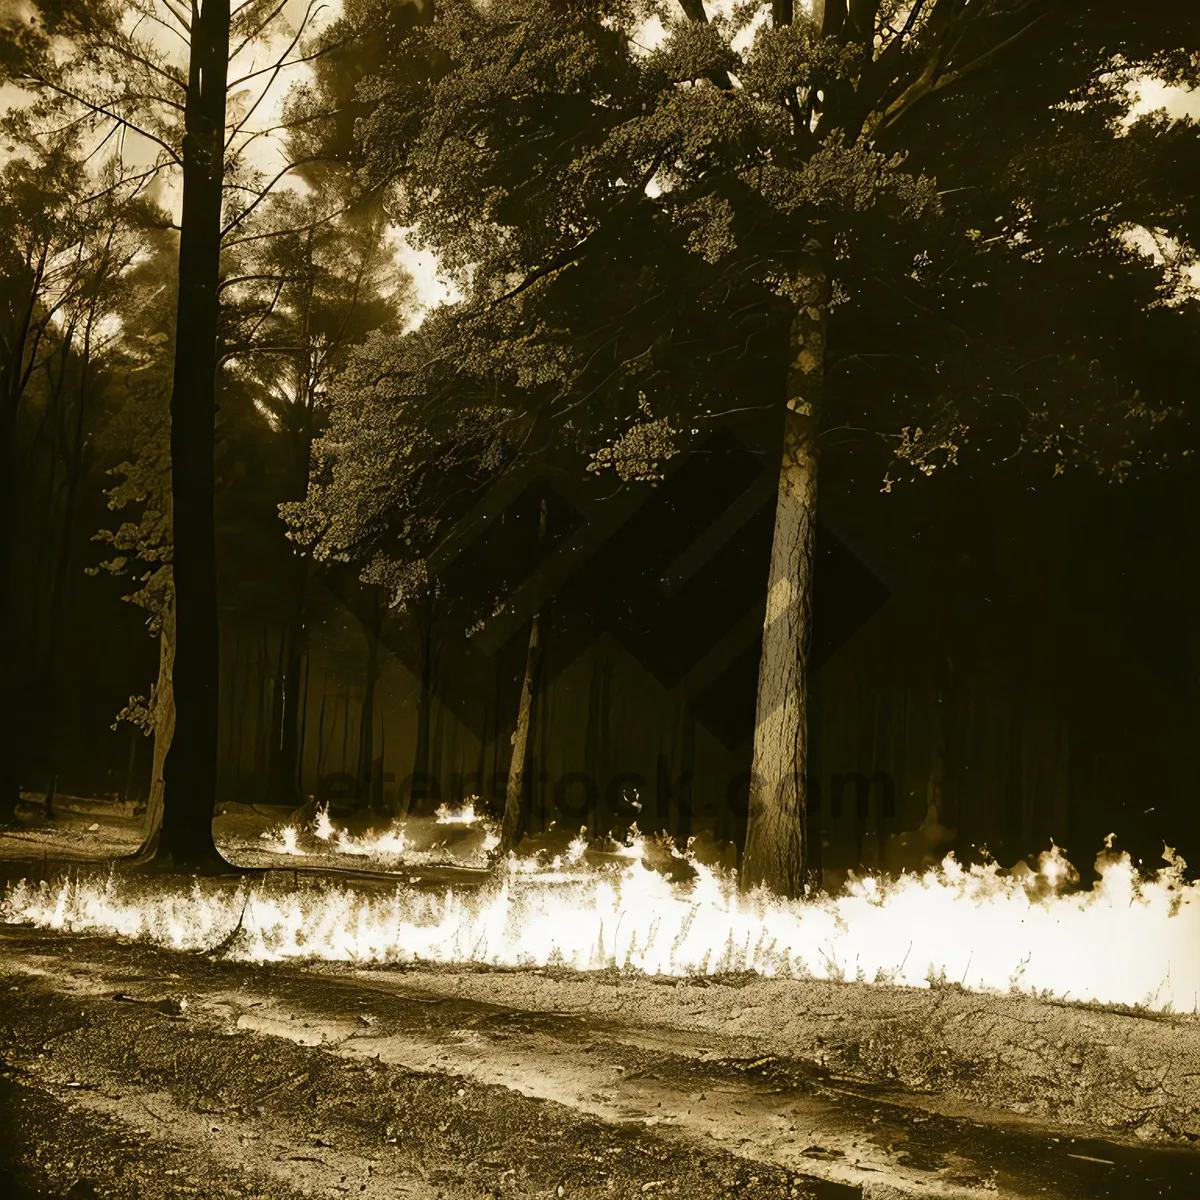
x=62 y=566
x=416 y=795
x=302 y=713
x=164 y=729
x=775 y=831
x=512 y=827
x=366 y=724
x=10 y=781
x=284 y=763
x=13 y=379
x=515 y=820
x=190 y=770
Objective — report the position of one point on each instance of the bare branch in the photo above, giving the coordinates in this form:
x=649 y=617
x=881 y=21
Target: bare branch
x=933 y=79
x=126 y=52
x=184 y=23
x=258 y=237
x=148 y=14
x=983 y=59
x=280 y=63
x=293 y=62
x=558 y=263
x=298 y=123
x=235 y=279
x=259 y=28
x=143 y=175
x=265 y=192
x=102 y=110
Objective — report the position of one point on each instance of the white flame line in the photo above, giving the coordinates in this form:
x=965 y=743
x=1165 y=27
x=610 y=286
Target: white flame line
x=446 y=815
x=1131 y=939
x=392 y=845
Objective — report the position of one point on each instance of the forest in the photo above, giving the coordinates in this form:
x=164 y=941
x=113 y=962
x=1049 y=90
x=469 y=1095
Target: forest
x=682 y=487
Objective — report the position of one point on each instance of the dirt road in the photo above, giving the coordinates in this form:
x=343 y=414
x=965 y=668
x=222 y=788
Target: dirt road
x=131 y=1071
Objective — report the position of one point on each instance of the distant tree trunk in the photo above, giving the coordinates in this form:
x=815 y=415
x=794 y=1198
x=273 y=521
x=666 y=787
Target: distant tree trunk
x=597 y=752
x=321 y=731
x=497 y=727
x=437 y=749
x=512 y=827
x=164 y=729
x=62 y=566
x=276 y=706
x=238 y=702
x=284 y=771
x=687 y=759
x=516 y=819
x=482 y=767
x=284 y=766
x=419 y=782
x=366 y=724
x=10 y=781
x=263 y=680
x=344 y=703
x=378 y=799
x=13 y=378
x=302 y=708
x=775 y=831
x=190 y=771
x=131 y=764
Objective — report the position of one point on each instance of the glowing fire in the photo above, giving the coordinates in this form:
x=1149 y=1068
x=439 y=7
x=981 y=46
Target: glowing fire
x=392 y=846
x=446 y=815
x=1132 y=939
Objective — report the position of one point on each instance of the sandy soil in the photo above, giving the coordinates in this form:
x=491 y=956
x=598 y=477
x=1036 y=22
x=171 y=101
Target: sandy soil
x=124 y=1063
x=1125 y=1073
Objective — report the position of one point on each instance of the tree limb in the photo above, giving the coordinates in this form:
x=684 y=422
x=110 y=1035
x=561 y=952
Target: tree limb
x=102 y=110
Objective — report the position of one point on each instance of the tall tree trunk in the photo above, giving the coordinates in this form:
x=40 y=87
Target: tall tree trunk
x=512 y=827
x=775 y=831
x=321 y=734
x=10 y=780
x=13 y=379
x=190 y=771
x=597 y=751
x=263 y=676
x=164 y=730
x=302 y=710
x=366 y=724
x=379 y=802
x=516 y=818
x=62 y=566
x=276 y=705
x=687 y=768
x=284 y=769
x=417 y=793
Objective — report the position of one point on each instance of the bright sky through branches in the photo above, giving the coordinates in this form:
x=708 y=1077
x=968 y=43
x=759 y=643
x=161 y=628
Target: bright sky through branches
x=260 y=100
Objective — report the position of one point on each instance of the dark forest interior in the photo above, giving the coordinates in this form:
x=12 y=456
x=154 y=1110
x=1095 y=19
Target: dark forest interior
x=402 y=529
x=1017 y=647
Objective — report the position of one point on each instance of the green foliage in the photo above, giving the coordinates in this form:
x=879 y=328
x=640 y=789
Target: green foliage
x=141 y=546
x=28 y=31
x=626 y=223
x=395 y=452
